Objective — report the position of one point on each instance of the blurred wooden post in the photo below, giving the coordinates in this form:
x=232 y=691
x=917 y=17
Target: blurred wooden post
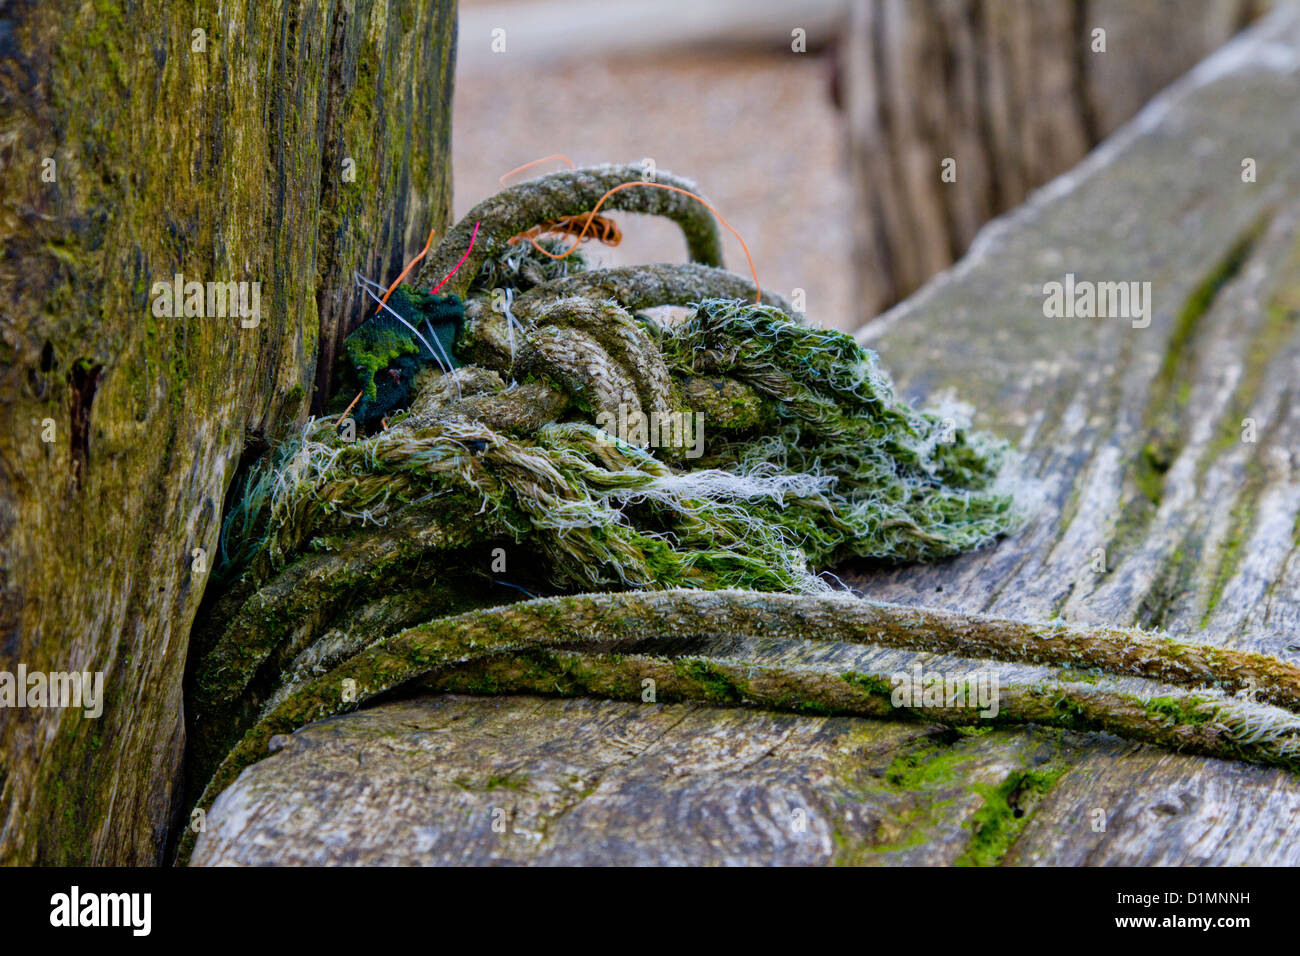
x=1001 y=95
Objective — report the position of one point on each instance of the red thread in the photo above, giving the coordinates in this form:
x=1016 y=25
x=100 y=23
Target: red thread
x=536 y=162
x=472 y=237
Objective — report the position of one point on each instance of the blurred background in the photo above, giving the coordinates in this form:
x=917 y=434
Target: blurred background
x=856 y=145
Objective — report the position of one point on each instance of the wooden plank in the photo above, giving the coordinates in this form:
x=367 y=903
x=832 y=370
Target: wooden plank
x=1135 y=433
x=585 y=782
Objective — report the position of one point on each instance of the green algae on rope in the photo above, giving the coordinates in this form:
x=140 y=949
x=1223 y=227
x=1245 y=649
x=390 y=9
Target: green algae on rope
x=570 y=193
x=812 y=460
x=1202 y=722
x=1205 y=722
x=844 y=470
x=489 y=399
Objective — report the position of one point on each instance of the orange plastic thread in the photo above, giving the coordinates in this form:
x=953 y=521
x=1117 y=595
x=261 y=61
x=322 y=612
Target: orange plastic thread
x=536 y=162
x=351 y=406
x=592 y=215
x=429 y=242
x=472 y=236
x=409 y=266
x=607 y=230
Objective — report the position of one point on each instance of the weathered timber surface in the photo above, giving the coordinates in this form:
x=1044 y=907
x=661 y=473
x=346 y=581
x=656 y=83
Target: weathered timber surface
x=226 y=142
x=587 y=782
x=1136 y=434
x=1015 y=92
x=1134 y=437
x=584 y=782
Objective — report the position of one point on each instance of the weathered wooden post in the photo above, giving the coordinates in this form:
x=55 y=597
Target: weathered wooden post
x=277 y=147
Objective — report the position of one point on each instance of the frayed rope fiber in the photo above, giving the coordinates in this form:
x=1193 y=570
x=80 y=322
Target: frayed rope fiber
x=531 y=428
x=534 y=411
x=808 y=457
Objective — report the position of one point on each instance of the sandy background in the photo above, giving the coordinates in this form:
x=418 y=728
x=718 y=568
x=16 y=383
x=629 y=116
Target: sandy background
x=753 y=124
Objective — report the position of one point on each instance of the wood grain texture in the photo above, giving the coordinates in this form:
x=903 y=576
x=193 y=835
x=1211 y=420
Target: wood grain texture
x=218 y=156
x=1135 y=434
x=586 y=782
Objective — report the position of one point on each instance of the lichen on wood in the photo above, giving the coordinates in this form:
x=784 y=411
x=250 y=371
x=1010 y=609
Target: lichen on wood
x=1203 y=719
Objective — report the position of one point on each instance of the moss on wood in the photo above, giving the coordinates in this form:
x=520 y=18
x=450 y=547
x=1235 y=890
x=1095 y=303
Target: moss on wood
x=216 y=155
